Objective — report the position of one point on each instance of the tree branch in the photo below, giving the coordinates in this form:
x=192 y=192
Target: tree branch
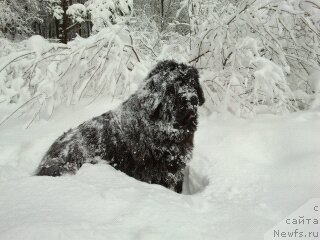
x=195 y=59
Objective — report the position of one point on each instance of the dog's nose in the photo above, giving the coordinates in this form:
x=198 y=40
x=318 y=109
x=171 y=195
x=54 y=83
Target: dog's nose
x=194 y=101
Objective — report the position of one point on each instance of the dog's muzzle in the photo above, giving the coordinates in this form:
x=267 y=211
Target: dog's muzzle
x=187 y=119
x=190 y=120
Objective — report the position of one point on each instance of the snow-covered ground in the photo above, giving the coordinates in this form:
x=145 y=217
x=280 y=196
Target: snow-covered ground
x=245 y=177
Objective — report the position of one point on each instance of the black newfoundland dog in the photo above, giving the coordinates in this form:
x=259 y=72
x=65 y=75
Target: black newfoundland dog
x=149 y=137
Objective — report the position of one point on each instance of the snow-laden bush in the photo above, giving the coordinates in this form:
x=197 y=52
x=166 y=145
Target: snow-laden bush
x=259 y=54
x=41 y=75
x=251 y=83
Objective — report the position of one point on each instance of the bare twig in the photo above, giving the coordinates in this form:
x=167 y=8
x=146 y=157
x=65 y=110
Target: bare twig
x=195 y=59
x=226 y=59
x=16 y=110
x=34 y=116
x=239 y=13
x=16 y=58
x=134 y=51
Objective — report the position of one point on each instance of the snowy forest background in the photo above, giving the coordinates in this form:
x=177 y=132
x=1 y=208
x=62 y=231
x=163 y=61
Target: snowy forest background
x=254 y=56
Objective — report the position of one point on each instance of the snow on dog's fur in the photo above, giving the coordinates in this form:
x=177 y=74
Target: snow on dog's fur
x=149 y=137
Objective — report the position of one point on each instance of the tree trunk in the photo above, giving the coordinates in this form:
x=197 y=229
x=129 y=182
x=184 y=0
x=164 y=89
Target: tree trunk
x=65 y=22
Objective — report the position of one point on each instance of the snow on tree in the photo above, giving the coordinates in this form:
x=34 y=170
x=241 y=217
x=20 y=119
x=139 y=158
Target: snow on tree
x=77 y=12
x=17 y=17
x=64 y=21
x=104 y=13
x=54 y=8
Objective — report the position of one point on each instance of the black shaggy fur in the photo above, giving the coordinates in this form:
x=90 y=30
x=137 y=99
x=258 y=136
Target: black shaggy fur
x=149 y=137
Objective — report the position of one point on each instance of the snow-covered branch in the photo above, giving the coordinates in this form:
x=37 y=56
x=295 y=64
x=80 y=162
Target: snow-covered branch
x=47 y=74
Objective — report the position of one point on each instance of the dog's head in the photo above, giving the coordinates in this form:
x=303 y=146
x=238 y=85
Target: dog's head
x=177 y=94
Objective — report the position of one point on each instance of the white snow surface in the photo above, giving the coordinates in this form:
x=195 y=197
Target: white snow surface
x=246 y=175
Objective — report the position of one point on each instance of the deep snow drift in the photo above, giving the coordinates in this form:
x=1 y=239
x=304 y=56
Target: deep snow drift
x=246 y=176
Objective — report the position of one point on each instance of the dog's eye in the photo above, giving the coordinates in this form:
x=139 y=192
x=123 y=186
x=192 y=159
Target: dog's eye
x=181 y=95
